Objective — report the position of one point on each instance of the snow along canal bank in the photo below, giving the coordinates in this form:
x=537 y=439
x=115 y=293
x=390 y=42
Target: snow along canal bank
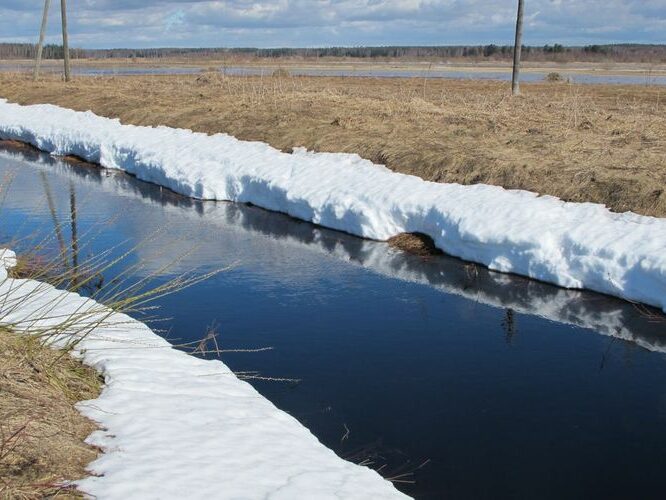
x=574 y=245
x=176 y=426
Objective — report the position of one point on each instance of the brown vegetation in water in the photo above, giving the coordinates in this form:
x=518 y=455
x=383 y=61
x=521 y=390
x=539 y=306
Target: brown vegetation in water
x=597 y=143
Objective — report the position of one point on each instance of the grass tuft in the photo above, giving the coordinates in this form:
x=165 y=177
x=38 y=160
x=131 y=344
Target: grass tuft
x=41 y=433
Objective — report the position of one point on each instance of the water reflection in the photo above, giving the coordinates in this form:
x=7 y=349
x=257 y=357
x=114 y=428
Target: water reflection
x=646 y=77
x=605 y=315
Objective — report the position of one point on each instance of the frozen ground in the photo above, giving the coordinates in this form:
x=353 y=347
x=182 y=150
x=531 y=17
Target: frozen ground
x=176 y=426
x=574 y=245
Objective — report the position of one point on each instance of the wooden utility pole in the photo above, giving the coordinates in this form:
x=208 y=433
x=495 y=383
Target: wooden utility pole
x=517 y=48
x=65 y=44
x=40 y=44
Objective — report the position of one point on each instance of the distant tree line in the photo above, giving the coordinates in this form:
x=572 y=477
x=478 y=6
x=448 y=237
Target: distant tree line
x=555 y=52
x=29 y=51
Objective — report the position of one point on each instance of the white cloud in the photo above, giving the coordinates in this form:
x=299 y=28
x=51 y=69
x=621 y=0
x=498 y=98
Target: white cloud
x=265 y=23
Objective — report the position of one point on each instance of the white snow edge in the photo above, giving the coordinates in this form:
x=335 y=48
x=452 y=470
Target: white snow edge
x=573 y=245
x=176 y=426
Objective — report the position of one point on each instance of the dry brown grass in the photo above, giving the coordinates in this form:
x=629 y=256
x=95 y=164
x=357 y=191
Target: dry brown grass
x=414 y=243
x=598 y=143
x=41 y=433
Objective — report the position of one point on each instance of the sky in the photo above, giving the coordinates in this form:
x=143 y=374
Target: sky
x=316 y=23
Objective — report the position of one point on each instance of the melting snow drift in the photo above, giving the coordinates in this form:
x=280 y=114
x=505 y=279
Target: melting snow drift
x=574 y=245
x=176 y=426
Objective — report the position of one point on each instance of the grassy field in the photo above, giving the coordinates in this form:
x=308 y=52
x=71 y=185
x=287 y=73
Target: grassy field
x=599 y=143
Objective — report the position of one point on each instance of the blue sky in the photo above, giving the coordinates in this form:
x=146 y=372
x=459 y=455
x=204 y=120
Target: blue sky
x=309 y=23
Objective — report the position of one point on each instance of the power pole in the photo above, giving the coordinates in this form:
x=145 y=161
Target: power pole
x=517 y=48
x=65 y=44
x=40 y=44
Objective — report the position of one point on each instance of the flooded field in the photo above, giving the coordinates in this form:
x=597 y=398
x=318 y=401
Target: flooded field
x=599 y=77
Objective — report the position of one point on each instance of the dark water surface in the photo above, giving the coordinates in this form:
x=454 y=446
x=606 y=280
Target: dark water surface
x=473 y=383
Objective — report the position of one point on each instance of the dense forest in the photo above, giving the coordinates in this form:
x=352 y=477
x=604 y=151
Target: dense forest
x=555 y=52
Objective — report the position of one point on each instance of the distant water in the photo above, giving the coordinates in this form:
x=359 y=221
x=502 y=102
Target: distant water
x=464 y=382
x=464 y=75
x=501 y=75
x=103 y=70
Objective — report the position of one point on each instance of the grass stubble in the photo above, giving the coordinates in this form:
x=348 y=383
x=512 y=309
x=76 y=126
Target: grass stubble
x=583 y=143
x=41 y=433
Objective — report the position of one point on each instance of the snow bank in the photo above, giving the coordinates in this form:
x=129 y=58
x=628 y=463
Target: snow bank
x=574 y=245
x=175 y=426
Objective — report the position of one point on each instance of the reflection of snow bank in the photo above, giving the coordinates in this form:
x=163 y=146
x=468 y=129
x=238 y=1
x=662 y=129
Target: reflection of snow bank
x=262 y=237
x=175 y=426
x=574 y=245
x=602 y=314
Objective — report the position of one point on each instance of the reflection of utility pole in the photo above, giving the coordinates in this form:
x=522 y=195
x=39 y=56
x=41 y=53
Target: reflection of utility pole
x=65 y=43
x=40 y=44
x=75 y=240
x=509 y=325
x=56 y=222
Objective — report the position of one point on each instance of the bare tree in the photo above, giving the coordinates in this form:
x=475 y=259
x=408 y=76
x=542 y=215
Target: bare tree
x=517 y=48
x=40 y=44
x=65 y=44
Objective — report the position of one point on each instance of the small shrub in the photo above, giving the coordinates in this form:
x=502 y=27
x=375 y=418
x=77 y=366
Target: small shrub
x=554 y=77
x=281 y=73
